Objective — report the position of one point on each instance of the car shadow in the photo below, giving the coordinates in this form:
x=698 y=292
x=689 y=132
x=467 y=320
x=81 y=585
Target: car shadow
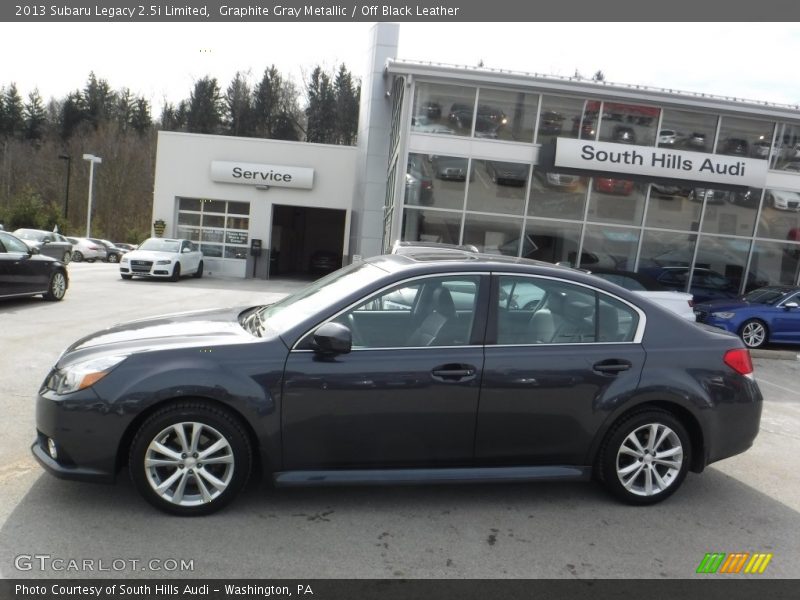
x=514 y=530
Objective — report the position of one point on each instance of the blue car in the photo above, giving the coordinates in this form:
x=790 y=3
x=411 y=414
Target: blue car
x=768 y=314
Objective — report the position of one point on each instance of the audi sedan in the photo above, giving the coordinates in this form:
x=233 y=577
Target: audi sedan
x=25 y=272
x=768 y=314
x=336 y=384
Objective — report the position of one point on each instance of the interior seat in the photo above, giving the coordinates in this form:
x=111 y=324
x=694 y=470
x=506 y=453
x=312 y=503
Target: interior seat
x=438 y=321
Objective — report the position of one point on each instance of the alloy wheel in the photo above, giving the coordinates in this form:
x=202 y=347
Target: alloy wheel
x=649 y=459
x=754 y=334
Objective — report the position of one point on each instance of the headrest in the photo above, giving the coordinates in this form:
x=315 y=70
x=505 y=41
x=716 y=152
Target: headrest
x=443 y=302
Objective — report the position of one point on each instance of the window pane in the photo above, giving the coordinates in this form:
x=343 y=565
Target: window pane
x=745 y=137
x=778 y=221
x=213 y=221
x=189 y=219
x=541 y=311
x=443 y=109
x=238 y=223
x=238 y=208
x=617 y=320
x=775 y=263
x=670 y=208
x=609 y=247
x=616 y=201
x=189 y=204
x=497 y=186
x=496 y=235
x=239 y=252
x=687 y=130
x=557 y=195
x=785 y=154
x=429 y=312
x=731 y=213
x=629 y=124
x=211 y=250
x=551 y=241
x=431 y=226
x=506 y=115
x=663 y=249
x=189 y=233
x=438 y=181
x=719 y=268
x=564 y=117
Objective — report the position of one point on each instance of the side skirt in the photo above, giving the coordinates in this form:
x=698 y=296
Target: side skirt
x=431 y=476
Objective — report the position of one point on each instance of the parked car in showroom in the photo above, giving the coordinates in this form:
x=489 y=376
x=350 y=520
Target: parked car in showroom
x=333 y=385
x=450 y=167
x=768 y=314
x=163 y=258
x=696 y=141
x=507 y=173
x=88 y=250
x=609 y=185
x=667 y=137
x=783 y=200
x=26 y=272
x=48 y=243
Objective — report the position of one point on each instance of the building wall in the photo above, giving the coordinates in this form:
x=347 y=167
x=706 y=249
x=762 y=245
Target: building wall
x=183 y=170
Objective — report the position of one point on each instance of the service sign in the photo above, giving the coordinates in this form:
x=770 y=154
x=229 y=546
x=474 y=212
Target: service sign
x=663 y=163
x=262 y=175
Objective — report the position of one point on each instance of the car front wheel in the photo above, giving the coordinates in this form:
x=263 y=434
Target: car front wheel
x=77 y=256
x=176 y=272
x=190 y=458
x=754 y=333
x=57 y=287
x=199 y=273
x=113 y=258
x=66 y=258
x=645 y=457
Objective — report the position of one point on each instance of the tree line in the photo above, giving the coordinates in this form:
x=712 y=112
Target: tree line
x=44 y=181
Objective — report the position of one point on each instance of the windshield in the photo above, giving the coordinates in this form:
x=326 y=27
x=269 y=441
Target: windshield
x=27 y=234
x=297 y=307
x=160 y=245
x=766 y=295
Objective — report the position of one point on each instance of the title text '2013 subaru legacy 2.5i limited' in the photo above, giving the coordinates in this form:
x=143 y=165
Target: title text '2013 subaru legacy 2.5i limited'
x=339 y=383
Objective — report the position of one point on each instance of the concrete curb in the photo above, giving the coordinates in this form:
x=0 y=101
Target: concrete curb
x=774 y=354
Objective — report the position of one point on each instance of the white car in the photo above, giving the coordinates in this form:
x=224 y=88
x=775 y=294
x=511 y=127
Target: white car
x=162 y=258
x=783 y=200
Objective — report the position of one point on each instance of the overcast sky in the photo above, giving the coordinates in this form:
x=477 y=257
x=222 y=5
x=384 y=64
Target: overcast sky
x=162 y=60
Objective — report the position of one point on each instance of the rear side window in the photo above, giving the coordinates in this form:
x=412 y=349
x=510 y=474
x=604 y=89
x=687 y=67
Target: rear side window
x=543 y=311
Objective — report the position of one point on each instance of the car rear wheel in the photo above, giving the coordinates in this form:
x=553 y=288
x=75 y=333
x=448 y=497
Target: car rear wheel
x=57 y=287
x=645 y=457
x=77 y=256
x=754 y=333
x=113 y=258
x=176 y=272
x=66 y=258
x=190 y=458
x=199 y=273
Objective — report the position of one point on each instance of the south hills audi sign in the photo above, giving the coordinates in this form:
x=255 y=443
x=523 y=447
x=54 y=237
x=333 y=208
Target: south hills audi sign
x=262 y=176
x=661 y=163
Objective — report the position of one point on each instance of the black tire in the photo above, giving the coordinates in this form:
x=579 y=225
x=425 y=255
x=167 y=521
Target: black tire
x=113 y=258
x=216 y=424
x=199 y=273
x=67 y=257
x=77 y=256
x=126 y=277
x=754 y=333
x=57 y=287
x=176 y=272
x=90 y=260
x=615 y=459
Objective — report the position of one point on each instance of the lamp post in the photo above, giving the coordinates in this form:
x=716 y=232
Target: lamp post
x=92 y=160
x=67 y=158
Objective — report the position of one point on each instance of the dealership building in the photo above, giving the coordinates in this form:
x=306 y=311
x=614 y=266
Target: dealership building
x=684 y=187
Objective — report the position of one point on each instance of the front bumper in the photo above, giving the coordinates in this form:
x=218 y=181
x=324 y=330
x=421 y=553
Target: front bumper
x=86 y=433
x=154 y=271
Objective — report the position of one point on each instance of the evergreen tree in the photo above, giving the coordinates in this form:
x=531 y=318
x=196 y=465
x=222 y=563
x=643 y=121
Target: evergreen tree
x=321 y=109
x=347 y=98
x=205 y=107
x=72 y=114
x=238 y=101
x=266 y=102
x=98 y=100
x=13 y=124
x=35 y=116
x=140 y=119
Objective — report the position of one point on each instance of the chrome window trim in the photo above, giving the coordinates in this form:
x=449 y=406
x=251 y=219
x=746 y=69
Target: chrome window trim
x=637 y=338
x=380 y=291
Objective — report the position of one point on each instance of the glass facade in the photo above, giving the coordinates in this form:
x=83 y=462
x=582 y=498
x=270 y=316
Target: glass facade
x=714 y=240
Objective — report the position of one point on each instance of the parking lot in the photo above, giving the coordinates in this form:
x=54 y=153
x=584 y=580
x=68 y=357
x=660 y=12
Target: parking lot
x=748 y=503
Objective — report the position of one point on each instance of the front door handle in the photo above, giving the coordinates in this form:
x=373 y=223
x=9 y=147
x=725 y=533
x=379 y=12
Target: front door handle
x=454 y=372
x=612 y=366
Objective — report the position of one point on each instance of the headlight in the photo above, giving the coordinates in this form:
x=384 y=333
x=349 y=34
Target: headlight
x=124 y=259
x=163 y=262
x=723 y=315
x=83 y=374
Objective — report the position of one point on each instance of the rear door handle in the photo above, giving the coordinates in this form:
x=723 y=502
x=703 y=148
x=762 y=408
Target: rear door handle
x=612 y=366
x=452 y=373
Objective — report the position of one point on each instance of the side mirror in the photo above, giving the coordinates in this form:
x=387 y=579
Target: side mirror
x=33 y=250
x=790 y=305
x=186 y=250
x=333 y=338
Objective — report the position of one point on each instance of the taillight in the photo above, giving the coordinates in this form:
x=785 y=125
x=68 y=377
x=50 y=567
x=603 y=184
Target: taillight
x=739 y=360
x=691 y=303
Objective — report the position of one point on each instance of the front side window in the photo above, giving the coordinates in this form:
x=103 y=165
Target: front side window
x=12 y=244
x=544 y=311
x=433 y=311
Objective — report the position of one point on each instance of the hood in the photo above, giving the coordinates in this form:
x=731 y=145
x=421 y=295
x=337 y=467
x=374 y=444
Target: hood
x=183 y=330
x=722 y=305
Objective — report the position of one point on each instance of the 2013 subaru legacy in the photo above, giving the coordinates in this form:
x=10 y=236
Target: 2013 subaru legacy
x=339 y=383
